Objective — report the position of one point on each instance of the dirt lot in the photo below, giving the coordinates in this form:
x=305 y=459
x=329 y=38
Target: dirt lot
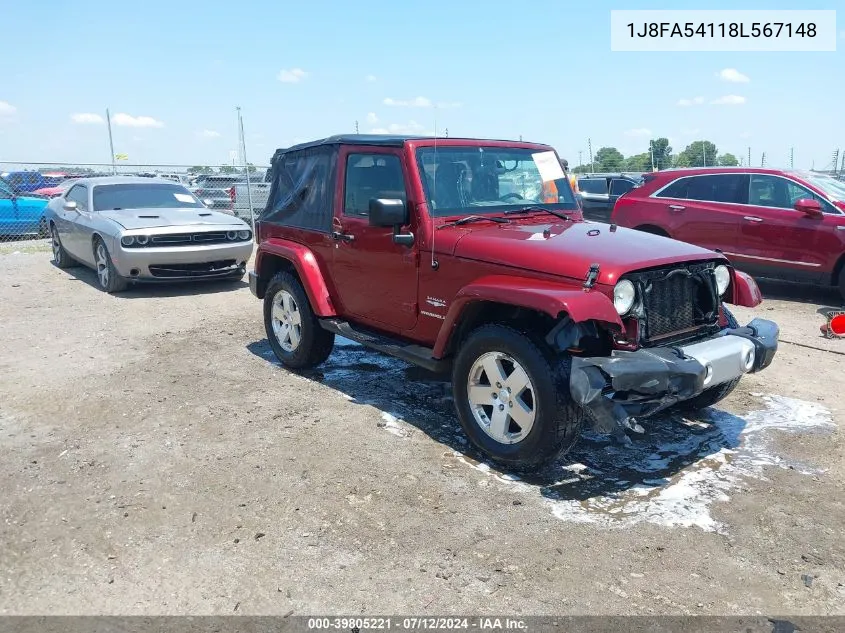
x=157 y=460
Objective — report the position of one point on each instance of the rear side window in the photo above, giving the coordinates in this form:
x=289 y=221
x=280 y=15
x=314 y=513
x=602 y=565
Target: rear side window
x=727 y=188
x=301 y=193
x=619 y=186
x=596 y=186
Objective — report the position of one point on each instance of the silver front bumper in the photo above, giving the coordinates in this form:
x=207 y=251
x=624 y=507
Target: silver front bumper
x=724 y=359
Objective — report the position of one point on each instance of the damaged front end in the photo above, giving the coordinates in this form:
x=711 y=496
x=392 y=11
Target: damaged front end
x=618 y=389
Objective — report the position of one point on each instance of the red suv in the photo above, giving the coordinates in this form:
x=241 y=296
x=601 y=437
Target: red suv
x=772 y=223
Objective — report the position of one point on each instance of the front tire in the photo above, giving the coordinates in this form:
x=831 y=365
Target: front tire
x=512 y=398
x=292 y=328
x=107 y=276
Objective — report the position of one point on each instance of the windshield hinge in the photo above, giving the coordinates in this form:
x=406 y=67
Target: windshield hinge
x=592 y=275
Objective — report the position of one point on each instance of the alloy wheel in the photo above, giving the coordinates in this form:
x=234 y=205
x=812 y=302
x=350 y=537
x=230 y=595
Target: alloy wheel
x=102 y=265
x=501 y=397
x=287 y=321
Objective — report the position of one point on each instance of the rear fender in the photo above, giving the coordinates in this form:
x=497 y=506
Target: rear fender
x=745 y=290
x=553 y=299
x=306 y=266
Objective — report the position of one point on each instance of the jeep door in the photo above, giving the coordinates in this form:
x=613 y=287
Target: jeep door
x=375 y=279
x=704 y=210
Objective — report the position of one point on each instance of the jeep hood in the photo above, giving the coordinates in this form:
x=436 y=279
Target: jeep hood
x=154 y=218
x=569 y=248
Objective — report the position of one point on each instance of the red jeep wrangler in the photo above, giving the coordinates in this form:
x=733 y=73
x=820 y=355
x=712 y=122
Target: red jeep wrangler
x=472 y=256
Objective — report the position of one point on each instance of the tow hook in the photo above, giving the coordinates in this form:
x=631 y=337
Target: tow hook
x=592 y=275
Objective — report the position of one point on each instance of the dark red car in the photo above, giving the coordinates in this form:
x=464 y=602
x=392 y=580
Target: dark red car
x=772 y=223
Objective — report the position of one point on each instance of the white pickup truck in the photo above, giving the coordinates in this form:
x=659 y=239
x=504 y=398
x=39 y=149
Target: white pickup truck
x=259 y=192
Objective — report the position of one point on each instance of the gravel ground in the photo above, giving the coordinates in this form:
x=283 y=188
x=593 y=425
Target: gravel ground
x=157 y=460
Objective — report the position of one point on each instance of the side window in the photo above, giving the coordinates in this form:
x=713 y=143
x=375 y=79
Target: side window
x=594 y=186
x=619 y=186
x=732 y=188
x=6 y=192
x=796 y=192
x=769 y=191
x=371 y=176
x=79 y=195
x=677 y=189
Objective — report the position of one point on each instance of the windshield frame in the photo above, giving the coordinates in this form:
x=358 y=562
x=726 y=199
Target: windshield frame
x=171 y=187
x=422 y=157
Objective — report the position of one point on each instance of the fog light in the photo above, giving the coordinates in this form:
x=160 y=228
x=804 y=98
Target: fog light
x=708 y=374
x=748 y=359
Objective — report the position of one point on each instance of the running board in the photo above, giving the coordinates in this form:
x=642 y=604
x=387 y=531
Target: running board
x=414 y=354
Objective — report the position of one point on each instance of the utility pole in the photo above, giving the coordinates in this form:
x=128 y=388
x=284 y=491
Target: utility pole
x=652 y=157
x=791 y=157
x=580 y=151
x=446 y=132
x=749 y=156
x=842 y=169
x=111 y=142
x=356 y=127
x=835 y=159
x=703 y=153
x=246 y=169
x=590 y=148
x=763 y=160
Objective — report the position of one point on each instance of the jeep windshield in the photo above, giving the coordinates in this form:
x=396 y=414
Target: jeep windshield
x=489 y=180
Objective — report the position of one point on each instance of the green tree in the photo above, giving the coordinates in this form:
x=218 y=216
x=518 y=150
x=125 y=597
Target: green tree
x=609 y=159
x=201 y=169
x=728 y=160
x=227 y=169
x=638 y=162
x=659 y=148
x=699 y=154
x=581 y=169
x=251 y=168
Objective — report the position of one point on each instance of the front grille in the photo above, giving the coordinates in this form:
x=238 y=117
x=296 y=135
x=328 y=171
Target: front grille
x=678 y=302
x=181 y=239
x=205 y=269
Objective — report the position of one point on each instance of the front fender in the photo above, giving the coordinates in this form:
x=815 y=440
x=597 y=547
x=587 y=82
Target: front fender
x=307 y=268
x=543 y=296
x=745 y=290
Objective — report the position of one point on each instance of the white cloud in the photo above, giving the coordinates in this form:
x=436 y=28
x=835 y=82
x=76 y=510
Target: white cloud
x=291 y=76
x=209 y=134
x=449 y=104
x=127 y=120
x=729 y=100
x=689 y=102
x=7 y=109
x=418 y=102
x=370 y=78
x=412 y=127
x=639 y=131
x=87 y=117
x=372 y=119
x=734 y=76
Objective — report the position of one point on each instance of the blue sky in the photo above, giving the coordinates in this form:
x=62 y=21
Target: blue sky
x=173 y=72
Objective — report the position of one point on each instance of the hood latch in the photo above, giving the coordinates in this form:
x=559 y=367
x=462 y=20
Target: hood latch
x=592 y=275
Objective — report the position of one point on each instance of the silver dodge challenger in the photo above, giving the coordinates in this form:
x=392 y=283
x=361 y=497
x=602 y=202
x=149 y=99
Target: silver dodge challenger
x=132 y=229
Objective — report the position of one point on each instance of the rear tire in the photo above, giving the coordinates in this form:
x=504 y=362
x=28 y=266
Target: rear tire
x=60 y=256
x=534 y=422
x=711 y=396
x=292 y=328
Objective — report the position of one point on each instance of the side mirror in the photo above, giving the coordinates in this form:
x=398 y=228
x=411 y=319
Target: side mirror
x=810 y=207
x=70 y=205
x=388 y=212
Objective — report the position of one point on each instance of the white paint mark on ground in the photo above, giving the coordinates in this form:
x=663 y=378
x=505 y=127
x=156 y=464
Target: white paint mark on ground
x=672 y=475
x=392 y=424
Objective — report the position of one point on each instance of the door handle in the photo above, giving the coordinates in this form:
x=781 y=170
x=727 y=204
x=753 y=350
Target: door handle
x=752 y=218
x=342 y=237
x=676 y=207
x=840 y=228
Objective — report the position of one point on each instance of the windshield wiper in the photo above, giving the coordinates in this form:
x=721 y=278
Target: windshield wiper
x=475 y=218
x=529 y=209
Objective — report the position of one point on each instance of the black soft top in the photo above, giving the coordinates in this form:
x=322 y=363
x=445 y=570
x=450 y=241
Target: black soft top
x=378 y=140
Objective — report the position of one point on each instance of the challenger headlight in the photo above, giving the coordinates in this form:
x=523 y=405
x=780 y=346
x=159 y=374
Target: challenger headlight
x=231 y=235
x=624 y=295
x=723 y=278
x=127 y=240
x=143 y=240
x=243 y=235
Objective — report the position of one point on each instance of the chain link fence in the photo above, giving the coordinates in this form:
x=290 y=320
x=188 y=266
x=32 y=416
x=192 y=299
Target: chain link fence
x=27 y=188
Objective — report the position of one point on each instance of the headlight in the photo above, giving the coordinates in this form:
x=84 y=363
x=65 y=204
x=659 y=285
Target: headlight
x=231 y=235
x=623 y=296
x=127 y=240
x=723 y=278
x=243 y=235
x=143 y=240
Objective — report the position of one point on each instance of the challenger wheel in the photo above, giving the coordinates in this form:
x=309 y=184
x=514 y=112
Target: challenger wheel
x=292 y=329
x=512 y=398
x=107 y=275
x=60 y=257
